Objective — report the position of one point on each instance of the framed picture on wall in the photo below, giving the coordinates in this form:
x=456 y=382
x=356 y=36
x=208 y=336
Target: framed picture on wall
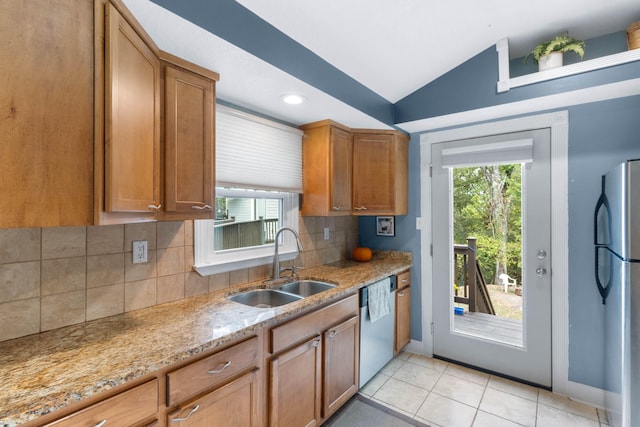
x=385 y=226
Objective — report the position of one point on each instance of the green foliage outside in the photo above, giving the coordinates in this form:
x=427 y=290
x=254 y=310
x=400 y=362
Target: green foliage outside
x=487 y=205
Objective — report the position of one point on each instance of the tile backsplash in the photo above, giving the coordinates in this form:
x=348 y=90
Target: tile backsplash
x=55 y=277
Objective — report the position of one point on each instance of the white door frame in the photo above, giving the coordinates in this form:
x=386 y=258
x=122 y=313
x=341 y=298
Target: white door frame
x=558 y=122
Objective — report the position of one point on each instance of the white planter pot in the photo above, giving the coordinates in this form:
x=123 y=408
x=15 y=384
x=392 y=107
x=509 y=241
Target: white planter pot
x=553 y=60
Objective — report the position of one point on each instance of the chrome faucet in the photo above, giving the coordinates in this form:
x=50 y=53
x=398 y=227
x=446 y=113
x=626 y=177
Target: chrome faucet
x=276 y=259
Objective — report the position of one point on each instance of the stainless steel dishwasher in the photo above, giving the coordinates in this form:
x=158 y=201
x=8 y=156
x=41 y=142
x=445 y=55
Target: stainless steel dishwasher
x=376 y=338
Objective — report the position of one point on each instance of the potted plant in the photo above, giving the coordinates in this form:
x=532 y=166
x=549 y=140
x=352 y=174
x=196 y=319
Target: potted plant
x=548 y=54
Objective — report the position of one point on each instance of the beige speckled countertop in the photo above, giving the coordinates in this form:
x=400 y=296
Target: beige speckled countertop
x=48 y=371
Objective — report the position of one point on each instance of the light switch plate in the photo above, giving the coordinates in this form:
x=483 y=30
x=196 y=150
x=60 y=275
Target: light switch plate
x=140 y=251
x=419 y=223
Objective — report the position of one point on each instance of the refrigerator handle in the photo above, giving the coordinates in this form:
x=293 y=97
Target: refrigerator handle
x=602 y=202
x=604 y=290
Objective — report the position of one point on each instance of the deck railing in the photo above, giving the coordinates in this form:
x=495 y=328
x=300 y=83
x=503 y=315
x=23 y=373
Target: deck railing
x=469 y=280
x=230 y=234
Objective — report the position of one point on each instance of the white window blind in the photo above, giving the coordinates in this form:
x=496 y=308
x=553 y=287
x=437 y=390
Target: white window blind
x=256 y=153
x=515 y=151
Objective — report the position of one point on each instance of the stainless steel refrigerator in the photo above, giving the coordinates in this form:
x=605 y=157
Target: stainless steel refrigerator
x=617 y=276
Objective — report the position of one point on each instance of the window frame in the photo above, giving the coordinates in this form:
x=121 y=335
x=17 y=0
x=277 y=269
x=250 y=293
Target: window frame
x=208 y=261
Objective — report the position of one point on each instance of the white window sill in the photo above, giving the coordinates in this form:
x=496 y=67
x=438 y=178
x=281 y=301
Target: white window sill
x=210 y=269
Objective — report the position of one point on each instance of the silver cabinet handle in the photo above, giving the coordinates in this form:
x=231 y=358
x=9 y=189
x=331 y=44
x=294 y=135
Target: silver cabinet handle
x=401 y=294
x=193 y=411
x=332 y=333
x=361 y=208
x=217 y=371
x=201 y=208
x=154 y=207
x=314 y=343
x=101 y=423
x=337 y=208
x=404 y=280
x=541 y=271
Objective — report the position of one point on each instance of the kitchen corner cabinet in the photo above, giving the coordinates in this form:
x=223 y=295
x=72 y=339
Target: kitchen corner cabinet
x=188 y=145
x=327 y=152
x=380 y=172
x=314 y=363
x=46 y=110
x=127 y=172
x=403 y=311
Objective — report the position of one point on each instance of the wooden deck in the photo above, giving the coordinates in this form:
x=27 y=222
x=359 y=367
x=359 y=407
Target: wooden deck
x=487 y=326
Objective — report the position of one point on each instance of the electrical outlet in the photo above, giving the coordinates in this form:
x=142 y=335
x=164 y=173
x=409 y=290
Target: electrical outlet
x=419 y=223
x=139 y=251
x=326 y=233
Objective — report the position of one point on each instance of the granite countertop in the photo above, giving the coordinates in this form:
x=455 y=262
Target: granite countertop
x=45 y=372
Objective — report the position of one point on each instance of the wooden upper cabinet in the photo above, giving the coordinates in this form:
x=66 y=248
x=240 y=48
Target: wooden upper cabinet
x=380 y=172
x=132 y=119
x=189 y=134
x=46 y=110
x=327 y=169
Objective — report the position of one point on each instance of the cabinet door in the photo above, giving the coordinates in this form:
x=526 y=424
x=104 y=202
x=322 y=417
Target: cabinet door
x=295 y=385
x=233 y=405
x=373 y=173
x=341 y=357
x=132 y=119
x=46 y=113
x=188 y=145
x=340 y=165
x=403 y=318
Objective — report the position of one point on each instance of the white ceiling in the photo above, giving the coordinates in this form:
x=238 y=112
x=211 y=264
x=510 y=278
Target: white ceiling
x=393 y=47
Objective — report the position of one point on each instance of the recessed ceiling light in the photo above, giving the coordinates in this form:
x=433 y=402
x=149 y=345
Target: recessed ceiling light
x=292 y=98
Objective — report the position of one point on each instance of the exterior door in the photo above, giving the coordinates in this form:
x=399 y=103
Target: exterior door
x=492 y=292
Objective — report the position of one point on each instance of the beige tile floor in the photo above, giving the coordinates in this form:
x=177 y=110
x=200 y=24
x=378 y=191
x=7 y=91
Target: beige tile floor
x=447 y=395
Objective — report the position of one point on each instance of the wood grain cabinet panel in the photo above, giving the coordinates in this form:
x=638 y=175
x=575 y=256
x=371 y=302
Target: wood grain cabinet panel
x=380 y=172
x=128 y=408
x=403 y=311
x=46 y=110
x=189 y=134
x=132 y=131
x=232 y=405
x=341 y=362
x=327 y=153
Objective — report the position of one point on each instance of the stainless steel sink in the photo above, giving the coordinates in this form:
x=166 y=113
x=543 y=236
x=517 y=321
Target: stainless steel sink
x=264 y=298
x=306 y=288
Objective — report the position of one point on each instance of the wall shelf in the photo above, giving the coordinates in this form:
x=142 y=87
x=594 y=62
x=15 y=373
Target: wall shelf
x=505 y=82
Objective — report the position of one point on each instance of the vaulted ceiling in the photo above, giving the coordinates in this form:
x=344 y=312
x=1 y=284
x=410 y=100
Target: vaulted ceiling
x=350 y=56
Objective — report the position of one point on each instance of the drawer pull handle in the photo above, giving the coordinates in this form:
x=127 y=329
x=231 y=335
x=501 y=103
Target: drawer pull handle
x=332 y=333
x=314 y=343
x=401 y=294
x=154 y=207
x=201 y=208
x=361 y=208
x=217 y=371
x=405 y=280
x=101 y=423
x=193 y=411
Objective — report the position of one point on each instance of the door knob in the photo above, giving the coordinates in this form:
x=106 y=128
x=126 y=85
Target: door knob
x=541 y=271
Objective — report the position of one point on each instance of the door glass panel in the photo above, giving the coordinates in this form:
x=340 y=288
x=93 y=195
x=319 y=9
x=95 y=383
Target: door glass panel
x=487 y=293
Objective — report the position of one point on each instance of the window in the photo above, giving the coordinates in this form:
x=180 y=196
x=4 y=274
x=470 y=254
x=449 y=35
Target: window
x=258 y=176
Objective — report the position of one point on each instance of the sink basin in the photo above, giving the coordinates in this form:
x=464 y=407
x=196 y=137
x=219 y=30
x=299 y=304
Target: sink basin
x=264 y=298
x=306 y=288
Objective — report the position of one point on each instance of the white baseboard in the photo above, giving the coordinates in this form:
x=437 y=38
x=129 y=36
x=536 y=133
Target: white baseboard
x=414 y=346
x=587 y=394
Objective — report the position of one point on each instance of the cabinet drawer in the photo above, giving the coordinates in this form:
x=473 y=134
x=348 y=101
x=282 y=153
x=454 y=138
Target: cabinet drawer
x=404 y=279
x=198 y=376
x=285 y=335
x=124 y=409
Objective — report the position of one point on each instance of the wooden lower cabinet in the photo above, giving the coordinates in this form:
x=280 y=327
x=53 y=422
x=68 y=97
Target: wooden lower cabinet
x=133 y=407
x=295 y=385
x=341 y=357
x=403 y=311
x=232 y=405
x=314 y=369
